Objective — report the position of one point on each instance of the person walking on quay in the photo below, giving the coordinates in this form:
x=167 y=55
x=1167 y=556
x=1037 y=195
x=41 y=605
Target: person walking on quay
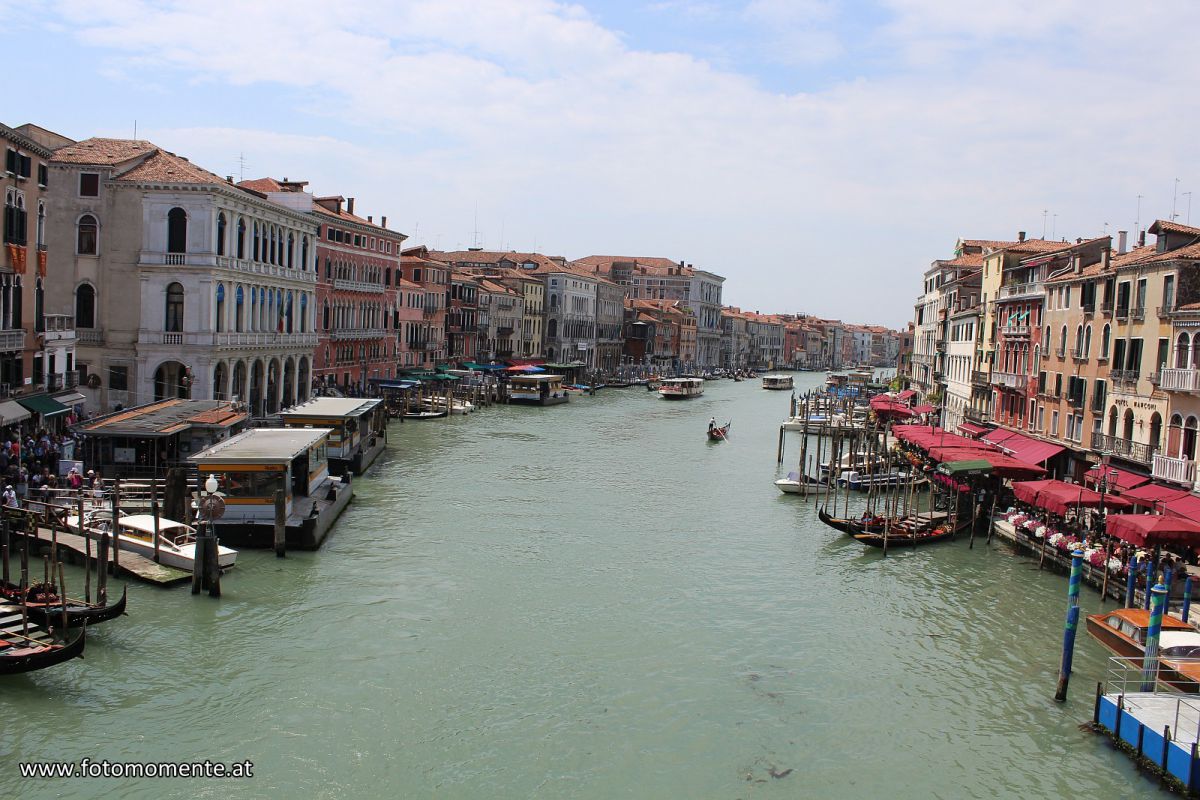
x=10 y=497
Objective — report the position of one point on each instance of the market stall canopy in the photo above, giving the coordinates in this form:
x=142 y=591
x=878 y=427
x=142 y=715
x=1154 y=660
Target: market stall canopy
x=11 y=411
x=1022 y=447
x=1147 y=530
x=924 y=409
x=885 y=407
x=972 y=429
x=907 y=394
x=1187 y=506
x=1154 y=494
x=966 y=468
x=1058 y=497
x=1120 y=479
x=46 y=406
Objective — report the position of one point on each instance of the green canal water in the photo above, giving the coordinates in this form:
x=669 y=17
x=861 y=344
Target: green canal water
x=593 y=601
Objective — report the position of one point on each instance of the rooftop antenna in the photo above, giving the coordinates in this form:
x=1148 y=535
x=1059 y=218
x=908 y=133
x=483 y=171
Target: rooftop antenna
x=135 y=129
x=475 y=235
x=1053 y=228
x=1188 y=195
x=1044 y=213
x=1174 y=197
x=1137 y=224
x=241 y=167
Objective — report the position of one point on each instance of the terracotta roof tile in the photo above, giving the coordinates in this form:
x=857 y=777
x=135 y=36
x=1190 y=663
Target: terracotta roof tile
x=1161 y=226
x=263 y=185
x=103 y=152
x=164 y=167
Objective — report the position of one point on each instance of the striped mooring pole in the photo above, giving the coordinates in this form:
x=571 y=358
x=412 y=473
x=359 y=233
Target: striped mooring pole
x=1064 y=671
x=1131 y=581
x=1150 y=659
x=1149 y=583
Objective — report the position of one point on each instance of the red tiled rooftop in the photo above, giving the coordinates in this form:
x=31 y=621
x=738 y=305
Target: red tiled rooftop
x=101 y=151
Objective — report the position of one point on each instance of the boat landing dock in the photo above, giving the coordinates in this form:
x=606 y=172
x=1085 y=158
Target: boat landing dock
x=140 y=567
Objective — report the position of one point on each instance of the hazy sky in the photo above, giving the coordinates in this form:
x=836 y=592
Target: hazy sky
x=817 y=154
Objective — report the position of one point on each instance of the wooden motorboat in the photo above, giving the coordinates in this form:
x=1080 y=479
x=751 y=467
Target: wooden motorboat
x=1123 y=632
x=45 y=606
x=424 y=414
x=794 y=483
x=135 y=533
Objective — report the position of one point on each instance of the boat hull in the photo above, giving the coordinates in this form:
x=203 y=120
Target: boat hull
x=29 y=658
x=78 y=614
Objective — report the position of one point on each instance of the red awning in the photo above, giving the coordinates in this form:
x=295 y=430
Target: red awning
x=1123 y=479
x=1187 y=507
x=971 y=429
x=1007 y=467
x=907 y=393
x=1151 y=529
x=924 y=409
x=1059 y=499
x=1028 y=491
x=1151 y=494
x=1022 y=447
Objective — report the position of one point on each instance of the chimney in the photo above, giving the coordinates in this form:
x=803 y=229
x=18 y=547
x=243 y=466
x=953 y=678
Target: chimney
x=1122 y=241
x=370 y=218
x=229 y=179
x=383 y=222
x=1141 y=238
x=349 y=205
x=1020 y=236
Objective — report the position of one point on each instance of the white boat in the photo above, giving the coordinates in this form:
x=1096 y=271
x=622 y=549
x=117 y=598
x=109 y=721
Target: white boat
x=793 y=484
x=777 y=381
x=681 y=388
x=799 y=423
x=176 y=541
x=456 y=406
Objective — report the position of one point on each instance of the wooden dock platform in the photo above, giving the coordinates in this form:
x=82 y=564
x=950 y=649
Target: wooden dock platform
x=136 y=565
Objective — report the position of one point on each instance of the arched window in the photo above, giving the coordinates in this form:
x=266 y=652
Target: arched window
x=1188 y=450
x=87 y=236
x=1062 y=341
x=271 y=259
x=1127 y=425
x=221 y=234
x=1087 y=341
x=1105 y=340
x=325 y=316
x=1182 y=351
x=41 y=224
x=256 y=242
x=1155 y=430
x=220 y=307
x=304 y=253
x=238 y=310
x=291 y=251
x=85 y=306
x=241 y=238
x=552 y=329
x=173 y=321
x=1112 y=422
x=1079 y=340
x=176 y=231
x=39 y=306
x=303 y=313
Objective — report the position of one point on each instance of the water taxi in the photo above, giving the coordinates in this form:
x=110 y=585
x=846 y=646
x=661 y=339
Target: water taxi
x=777 y=381
x=681 y=388
x=1123 y=631
x=135 y=534
x=537 y=390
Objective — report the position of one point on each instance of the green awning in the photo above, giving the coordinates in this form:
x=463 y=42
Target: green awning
x=962 y=469
x=44 y=405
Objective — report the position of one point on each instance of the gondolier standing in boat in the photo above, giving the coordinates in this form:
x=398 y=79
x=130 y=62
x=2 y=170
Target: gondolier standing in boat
x=712 y=423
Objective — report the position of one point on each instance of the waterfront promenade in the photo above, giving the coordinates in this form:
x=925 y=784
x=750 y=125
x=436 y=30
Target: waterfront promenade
x=589 y=600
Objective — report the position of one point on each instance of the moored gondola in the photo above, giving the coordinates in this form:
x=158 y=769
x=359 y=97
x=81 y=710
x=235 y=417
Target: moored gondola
x=45 y=607
x=23 y=654
x=851 y=526
x=908 y=538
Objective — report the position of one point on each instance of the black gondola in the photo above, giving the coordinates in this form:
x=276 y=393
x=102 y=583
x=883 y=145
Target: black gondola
x=47 y=609
x=851 y=526
x=18 y=654
x=903 y=538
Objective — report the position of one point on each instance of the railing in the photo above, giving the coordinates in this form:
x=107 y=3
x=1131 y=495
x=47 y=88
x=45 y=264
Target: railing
x=12 y=340
x=1163 y=312
x=1106 y=308
x=1137 y=314
x=1009 y=380
x=1078 y=354
x=263 y=339
x=254 y=267
x=90 y=336
x=976 y=415
x=429 y=313
x=1061 y=352
x=1134 y=451
x=1015 y=330
x=979 y=376
x=1176 y=470
x=1122 y=312
x=1180 y=380
x=1124 y=375
x=359 y=333
x=1089 y=309
x=357 y=286
x=1020 y=290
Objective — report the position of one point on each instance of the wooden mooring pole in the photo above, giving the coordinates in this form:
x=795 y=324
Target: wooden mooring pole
x=280 y=538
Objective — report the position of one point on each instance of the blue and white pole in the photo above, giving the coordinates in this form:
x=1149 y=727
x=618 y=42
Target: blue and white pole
x=1150 y=659
x=1064 y=671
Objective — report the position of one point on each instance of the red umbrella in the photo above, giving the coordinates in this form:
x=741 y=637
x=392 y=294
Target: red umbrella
x=1145 y=530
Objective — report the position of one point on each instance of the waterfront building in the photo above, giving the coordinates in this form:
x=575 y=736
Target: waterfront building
x=570 y=328
x=462 y=317
x=433 y=277
x=37 y=348
x=408 y=322
x=960 y=348
x=766 y=340
x=501 y=314
x=904 y=350
x=184 y=284
x=610 y=314
x=1180 y=380
x=357 y=262
x=735 y=338
x=532 y=293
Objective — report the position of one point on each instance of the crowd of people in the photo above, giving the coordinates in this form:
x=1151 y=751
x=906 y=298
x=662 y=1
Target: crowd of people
x=29 y=464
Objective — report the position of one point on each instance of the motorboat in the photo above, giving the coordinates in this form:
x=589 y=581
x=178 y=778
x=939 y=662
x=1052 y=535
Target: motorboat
x=1123 y=632
x=860 y=480
x=135 y=534
x=777 y=381
x=794 y=483
x=681 y=388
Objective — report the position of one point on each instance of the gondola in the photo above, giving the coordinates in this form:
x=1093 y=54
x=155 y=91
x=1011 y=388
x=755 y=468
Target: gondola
x=20 y=654
x=45 y=608
x=424 y=414
x=903 y=538
x=849 y=525
x=720 y=434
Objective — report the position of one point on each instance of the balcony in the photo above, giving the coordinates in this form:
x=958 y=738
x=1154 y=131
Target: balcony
x=1015 y=331
x=1060 y=352
x=344 y=285
x=263 y=339
x=1132 y=451
x=359 y=333
x=980 y=378
x=503 y=333
x=1137 y=314
x=90 y=336
x=1124 y=375
x=940 y=346
x=976 y=415
x=1078 y=354
x=1106 y=308
x=12 y=340
x=1089 y=309
x=1176 y=470
x=1122 y=312
x=1009 y=380
x=429 y=313
x=1180 y=380
x=1016 y=290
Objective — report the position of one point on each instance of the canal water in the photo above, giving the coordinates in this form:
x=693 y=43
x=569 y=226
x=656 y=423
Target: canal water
x=592 y=601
